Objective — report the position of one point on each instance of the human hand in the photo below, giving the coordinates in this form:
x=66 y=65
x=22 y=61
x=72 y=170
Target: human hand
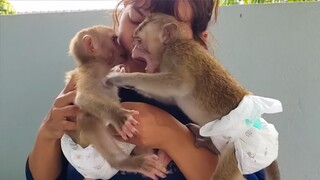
x=118 y=68
x=156 y=127
x=58 y=119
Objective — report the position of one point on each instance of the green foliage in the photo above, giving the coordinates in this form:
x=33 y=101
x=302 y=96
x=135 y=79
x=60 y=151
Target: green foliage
x=235 y=2
x=6 y=8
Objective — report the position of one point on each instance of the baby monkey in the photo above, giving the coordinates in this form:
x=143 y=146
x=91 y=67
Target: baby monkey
x=96 y=50
x=182 y=71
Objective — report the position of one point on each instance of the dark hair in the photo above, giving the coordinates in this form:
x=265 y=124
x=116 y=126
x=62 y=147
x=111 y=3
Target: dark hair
x=202 y=10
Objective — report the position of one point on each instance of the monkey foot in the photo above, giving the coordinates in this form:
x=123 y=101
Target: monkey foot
x=150 y=166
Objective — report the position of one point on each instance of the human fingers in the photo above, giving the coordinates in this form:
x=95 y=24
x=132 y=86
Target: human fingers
x=118 y=68
x=63 y=113
x=65 y=99
x=55 y=122
x=62 y=117
x=68 y=125
x=122 y=69
x=71 y=85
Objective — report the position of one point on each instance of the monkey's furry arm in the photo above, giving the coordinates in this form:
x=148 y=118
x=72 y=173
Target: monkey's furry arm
x=159 y=84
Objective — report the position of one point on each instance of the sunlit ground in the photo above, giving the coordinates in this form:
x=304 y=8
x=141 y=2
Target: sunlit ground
x=22 y=6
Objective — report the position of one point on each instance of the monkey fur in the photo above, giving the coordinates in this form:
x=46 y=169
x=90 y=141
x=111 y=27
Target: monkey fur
x=96 y=50
x=181 y=69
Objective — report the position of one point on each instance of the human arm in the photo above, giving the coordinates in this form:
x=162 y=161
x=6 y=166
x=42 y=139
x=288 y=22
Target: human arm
x=158 y=129
x=195 y=163
x=45 y=160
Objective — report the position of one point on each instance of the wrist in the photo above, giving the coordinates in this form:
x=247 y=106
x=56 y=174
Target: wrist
x=47 y=133
x=45 y=157
x=45 y=141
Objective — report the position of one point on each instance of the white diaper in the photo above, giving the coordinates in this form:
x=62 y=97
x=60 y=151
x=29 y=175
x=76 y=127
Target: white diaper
x=255 y=140
x=88 y=161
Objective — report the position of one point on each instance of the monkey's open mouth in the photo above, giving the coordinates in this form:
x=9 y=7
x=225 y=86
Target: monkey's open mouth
x=148 y=65
x=124 y=55
x=140 y=59
x=141 y=62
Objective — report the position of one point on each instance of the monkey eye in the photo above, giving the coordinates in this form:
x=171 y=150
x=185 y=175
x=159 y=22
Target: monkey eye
x=137 y=40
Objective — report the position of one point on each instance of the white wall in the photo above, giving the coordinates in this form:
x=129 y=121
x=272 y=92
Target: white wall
x=274 y=50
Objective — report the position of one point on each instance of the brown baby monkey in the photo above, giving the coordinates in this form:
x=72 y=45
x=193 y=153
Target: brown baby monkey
x=96 y=50
x=182 y=71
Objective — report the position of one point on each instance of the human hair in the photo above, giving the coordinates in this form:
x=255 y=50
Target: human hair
x=203 y=11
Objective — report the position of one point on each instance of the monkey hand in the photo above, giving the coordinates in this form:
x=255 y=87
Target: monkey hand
x=164 y=158
x=156 y=126
x=116 y=79
x=147 y=164
x=125 y=122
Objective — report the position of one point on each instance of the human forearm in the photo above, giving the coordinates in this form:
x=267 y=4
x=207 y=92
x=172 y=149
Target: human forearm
x=157 y=129
x=45 y=158
x=195 y=163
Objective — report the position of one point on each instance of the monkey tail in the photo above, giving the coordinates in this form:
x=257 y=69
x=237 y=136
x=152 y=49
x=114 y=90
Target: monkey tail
x=272 y=172
x=83 y=141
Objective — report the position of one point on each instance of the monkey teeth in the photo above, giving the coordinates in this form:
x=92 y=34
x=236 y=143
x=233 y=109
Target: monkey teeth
x=147 y=69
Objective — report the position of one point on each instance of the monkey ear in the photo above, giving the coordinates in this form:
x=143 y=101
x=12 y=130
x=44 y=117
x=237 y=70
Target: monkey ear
x=168 y=32
x=89 y=45
x=205 y=36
